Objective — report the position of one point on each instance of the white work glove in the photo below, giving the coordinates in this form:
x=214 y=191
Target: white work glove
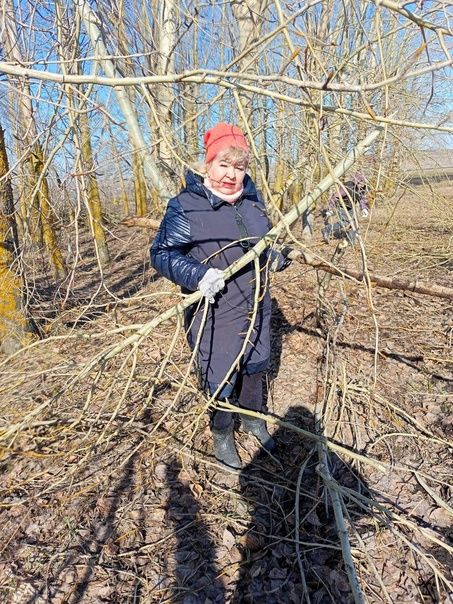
x=211 y=284
x=365 y=213
x=328 y=213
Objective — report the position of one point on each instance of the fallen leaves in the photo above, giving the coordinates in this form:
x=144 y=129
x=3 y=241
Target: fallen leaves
x=124 y=515
x=228 y=539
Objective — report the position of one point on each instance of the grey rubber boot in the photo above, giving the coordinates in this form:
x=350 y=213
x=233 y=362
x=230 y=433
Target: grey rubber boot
x=225 y=449
x=257 y=427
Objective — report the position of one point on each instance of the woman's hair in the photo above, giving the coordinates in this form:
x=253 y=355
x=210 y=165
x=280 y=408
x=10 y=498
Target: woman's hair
x=234 y=155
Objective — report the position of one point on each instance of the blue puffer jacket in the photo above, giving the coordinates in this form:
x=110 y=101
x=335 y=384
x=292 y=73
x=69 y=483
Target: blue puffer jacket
x=200 y=231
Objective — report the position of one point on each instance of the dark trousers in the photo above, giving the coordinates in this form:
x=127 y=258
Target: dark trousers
x=249 y=390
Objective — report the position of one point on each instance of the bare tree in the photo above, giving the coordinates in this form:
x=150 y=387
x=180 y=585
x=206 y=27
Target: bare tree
x=40 y=216
x=158 y=180
x=85 y=165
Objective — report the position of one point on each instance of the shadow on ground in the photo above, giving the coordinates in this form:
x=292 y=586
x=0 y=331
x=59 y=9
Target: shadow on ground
x=270 y=570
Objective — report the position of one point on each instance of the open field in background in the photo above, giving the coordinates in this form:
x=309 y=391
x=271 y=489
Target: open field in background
x=426 y=166
x=110 y=492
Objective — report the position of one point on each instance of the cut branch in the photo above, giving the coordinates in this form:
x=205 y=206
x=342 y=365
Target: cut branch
x=140 y=221
x=417 y=287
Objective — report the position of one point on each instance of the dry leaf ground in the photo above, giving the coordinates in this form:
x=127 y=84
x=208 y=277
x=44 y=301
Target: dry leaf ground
x=110 y=492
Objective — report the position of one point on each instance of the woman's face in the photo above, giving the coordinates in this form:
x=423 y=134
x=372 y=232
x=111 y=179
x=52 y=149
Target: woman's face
x=226 y=176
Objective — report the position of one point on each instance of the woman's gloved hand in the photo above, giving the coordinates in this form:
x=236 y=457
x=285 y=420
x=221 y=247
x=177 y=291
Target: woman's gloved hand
x=211 y=284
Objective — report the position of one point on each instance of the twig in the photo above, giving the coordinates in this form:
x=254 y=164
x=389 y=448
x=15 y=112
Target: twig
x=306 y=593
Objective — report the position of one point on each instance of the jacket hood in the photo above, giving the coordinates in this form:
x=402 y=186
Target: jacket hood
x=194 y=184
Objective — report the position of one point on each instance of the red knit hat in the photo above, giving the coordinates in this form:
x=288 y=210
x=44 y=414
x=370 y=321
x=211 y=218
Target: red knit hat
x=221 y=137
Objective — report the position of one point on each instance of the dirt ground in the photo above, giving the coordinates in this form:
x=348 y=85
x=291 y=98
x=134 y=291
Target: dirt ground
x=110 y=492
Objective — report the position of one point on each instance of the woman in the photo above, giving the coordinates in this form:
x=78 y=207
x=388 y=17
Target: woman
x=341 y=202
x=211 y=223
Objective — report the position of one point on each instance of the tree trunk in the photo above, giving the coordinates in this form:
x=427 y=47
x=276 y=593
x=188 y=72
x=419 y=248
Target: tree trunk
x=280 y=173
x=139 y=186
x=92 y=193
x=123 y=197
x=47 y=216
x=249 y=16
x=14 y=331
x=165 y=36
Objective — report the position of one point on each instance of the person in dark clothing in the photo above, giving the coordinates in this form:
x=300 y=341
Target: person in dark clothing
x=341 y=203
x=209 y=225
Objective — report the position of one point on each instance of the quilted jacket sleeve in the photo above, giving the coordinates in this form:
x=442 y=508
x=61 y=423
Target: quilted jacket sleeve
x=170 y=249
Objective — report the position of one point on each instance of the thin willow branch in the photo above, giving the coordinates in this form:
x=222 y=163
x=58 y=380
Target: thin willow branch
x=420 y=21
x=206 y=80
x=214 y=76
